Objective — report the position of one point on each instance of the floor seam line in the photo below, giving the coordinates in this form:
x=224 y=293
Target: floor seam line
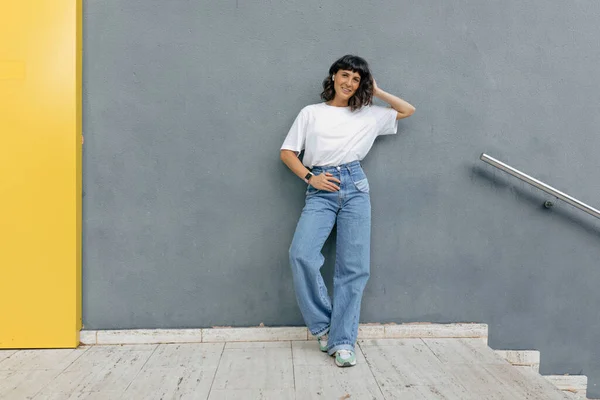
x=370 y=369
x=431 y=350
x=63 y=370
x=141 y=369
x=293 y=367
x=216 y=370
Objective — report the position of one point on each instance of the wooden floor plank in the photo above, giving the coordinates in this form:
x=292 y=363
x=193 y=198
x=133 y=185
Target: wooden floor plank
x=255 y=368
x=463 y=351
x=252 y=394
x=102 y=368
x=429 y=392
x=4 y=354
x=177 y=371
x=28 y=360
x=104 y=395
x=172 y=383
x=188 y=355
x=407 y=362
x=24 y=384
x=332 y=382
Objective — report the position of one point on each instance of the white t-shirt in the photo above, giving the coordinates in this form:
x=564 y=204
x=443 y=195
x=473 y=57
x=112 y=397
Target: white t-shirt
x=333 y=136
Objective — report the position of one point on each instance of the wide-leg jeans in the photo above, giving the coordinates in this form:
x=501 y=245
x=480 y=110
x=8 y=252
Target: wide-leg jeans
x=350 y=208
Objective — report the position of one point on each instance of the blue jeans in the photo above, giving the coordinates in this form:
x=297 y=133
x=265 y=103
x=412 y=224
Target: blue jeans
x=350 y=207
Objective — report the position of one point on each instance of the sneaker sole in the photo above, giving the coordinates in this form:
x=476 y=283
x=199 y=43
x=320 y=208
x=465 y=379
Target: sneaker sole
x=345 y=363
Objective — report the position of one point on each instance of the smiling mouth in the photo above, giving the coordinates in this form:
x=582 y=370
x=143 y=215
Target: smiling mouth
x=346 y=91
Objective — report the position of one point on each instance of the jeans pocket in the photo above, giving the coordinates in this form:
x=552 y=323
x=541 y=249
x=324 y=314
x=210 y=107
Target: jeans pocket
x=362 y=185
x=310 y=190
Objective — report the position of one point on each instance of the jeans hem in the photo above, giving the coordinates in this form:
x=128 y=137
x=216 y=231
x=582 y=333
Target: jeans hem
x=321 y=332
x=340 y=346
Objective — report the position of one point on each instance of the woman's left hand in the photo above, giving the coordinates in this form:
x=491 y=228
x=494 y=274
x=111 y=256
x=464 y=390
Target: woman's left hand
x=403 y=108
x=375 y=87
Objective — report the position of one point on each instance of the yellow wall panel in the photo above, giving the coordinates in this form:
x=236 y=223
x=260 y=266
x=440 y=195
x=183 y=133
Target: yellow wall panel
x=40 y=173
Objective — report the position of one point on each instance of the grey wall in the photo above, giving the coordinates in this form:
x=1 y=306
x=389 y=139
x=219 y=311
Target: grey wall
x=189 y=213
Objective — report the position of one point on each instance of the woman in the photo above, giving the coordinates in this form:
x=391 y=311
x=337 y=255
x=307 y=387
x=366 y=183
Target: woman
x=335 y=135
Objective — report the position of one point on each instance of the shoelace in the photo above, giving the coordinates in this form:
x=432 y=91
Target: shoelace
x=345 y=354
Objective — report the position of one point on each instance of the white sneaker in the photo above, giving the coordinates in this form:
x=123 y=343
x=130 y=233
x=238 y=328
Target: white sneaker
x=345 y=358
x=323 y=342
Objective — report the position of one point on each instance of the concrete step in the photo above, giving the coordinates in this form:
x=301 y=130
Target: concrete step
x=573 y=385
x=460 y=369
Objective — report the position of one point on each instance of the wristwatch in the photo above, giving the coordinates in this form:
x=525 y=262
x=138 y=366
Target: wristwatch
x=308 y=176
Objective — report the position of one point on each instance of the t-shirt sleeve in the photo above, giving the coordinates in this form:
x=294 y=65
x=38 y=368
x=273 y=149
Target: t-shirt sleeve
x=385 y=118
x=296 y=137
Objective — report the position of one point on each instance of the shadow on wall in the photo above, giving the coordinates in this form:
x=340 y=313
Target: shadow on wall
x=576 y=219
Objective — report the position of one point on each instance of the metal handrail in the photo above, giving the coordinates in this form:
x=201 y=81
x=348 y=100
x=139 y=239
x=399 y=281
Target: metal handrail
x=540 y=185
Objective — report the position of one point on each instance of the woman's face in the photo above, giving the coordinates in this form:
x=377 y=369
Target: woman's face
x=346 y=83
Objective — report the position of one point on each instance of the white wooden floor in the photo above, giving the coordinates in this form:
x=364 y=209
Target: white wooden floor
x=405 y=369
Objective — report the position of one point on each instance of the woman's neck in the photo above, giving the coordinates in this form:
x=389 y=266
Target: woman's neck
x=337 y=102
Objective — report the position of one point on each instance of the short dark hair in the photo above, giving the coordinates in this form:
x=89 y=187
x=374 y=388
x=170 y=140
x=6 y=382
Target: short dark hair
x=364 y=93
